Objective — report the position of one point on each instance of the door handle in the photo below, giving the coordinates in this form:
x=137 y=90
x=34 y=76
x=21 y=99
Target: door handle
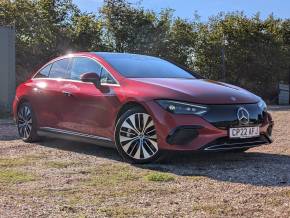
x=68 y=94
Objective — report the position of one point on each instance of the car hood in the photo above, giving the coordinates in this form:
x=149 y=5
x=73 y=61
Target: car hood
x=199 y=91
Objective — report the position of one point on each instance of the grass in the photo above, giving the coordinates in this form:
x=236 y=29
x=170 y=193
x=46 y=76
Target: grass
x=159 y=177
x=108 y=175
x=12 y=162
x=16 y=162
x=214 y=209
x=111 y=178
x=60 y=164
x=14 y=177
x=120 y=211
x=196 y=178
x=287 y=193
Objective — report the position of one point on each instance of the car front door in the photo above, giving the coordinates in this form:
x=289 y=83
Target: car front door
x=86 y=108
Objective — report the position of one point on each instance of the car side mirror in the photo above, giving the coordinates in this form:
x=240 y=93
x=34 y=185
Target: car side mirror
x=91 y=77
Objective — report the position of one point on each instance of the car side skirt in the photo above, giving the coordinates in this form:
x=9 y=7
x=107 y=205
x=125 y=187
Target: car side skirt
x=75 y=136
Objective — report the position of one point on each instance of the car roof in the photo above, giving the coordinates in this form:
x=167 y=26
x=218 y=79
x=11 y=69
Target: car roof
x=108 y=55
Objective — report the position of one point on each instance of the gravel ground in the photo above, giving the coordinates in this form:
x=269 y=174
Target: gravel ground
x=56 y=178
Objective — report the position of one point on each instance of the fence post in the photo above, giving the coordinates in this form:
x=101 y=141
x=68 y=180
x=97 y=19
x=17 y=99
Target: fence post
x=7 y=68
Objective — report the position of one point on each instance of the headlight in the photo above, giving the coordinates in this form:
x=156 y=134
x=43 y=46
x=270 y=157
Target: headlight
x=262 y=105
x=178 y=107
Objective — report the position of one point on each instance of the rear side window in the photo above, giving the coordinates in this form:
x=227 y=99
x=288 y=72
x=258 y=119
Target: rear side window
x=43 y=73
x=81 y=65
x=59 y=69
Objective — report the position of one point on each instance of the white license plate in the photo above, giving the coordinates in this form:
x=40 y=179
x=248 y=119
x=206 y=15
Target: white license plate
x=244 y=132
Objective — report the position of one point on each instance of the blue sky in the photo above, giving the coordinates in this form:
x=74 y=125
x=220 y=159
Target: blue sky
x=205 y=8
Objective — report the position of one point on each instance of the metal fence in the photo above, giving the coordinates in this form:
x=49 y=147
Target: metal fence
x=7 y=67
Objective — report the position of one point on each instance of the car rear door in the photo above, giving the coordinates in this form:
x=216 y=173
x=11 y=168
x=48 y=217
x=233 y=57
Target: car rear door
x=46 y=92
x=50 y=94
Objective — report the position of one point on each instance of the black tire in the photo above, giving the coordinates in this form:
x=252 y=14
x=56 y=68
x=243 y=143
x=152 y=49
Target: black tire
x=146 y=140
x=240 y=150
x=26 y=123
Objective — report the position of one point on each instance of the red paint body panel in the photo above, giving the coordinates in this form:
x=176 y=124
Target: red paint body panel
x=94 y=111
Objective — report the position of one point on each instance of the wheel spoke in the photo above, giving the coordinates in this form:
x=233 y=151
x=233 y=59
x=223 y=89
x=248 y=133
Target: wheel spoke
x=154 y=143
x=145 y=153
x=147 y=145
x=27 y=112
x=137 y=155
x=150 y=132
x=128 y=124
x=25 y=132
x=20 y=116
x=21 y=125
x=29 y=121
x=29 y=128
x=128 y=132
x=21 y=131
x=149 y=123
x=135 y=148
x=124 y=138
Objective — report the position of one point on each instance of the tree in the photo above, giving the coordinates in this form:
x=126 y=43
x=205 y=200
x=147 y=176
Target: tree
x=253 y=53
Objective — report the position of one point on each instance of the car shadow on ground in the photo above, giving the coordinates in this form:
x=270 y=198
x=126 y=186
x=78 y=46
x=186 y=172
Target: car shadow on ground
x=254 y=168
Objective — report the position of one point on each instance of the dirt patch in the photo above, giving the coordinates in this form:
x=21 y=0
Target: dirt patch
x=59 y=178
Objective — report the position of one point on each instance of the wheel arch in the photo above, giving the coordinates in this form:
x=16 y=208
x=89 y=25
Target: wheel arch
x=126 y=107
x=21 y=101
x=25 y=99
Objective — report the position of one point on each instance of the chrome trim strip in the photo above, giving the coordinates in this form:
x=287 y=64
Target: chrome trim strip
x=231 y=148
x=78 y=81
x=238 y=143
x=49 y=129
x=221 y=147
x=74 y=56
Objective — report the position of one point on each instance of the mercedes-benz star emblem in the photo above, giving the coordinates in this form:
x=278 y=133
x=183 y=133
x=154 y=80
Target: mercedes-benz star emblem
x=243 y=116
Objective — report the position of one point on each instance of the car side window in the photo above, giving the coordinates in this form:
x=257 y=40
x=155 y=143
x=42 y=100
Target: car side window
x=43 y=73
x=81 y=65
x=59 y=69
x=106 y=78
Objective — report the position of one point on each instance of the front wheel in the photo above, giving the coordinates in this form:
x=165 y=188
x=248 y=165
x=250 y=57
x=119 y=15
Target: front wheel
x=136 y=137
x=239 y=150
x=26 y=123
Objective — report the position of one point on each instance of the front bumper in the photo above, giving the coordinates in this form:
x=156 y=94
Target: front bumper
x=192 y=133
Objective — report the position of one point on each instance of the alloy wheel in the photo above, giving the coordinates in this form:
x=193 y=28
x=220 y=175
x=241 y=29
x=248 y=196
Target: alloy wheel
x=24 y=122
x=138 y=136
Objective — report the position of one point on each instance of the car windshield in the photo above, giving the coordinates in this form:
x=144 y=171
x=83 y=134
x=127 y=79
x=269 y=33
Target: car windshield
x=141 y=66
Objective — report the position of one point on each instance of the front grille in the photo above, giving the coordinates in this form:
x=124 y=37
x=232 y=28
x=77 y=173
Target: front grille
x=225 y=116
x=226 y=143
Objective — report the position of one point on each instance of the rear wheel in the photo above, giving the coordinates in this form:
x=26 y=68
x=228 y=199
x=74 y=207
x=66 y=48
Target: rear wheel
x=136 y=137
x=26 y=123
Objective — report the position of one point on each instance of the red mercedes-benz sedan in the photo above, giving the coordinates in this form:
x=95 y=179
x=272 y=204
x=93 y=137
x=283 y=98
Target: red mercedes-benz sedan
x=141 y=105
